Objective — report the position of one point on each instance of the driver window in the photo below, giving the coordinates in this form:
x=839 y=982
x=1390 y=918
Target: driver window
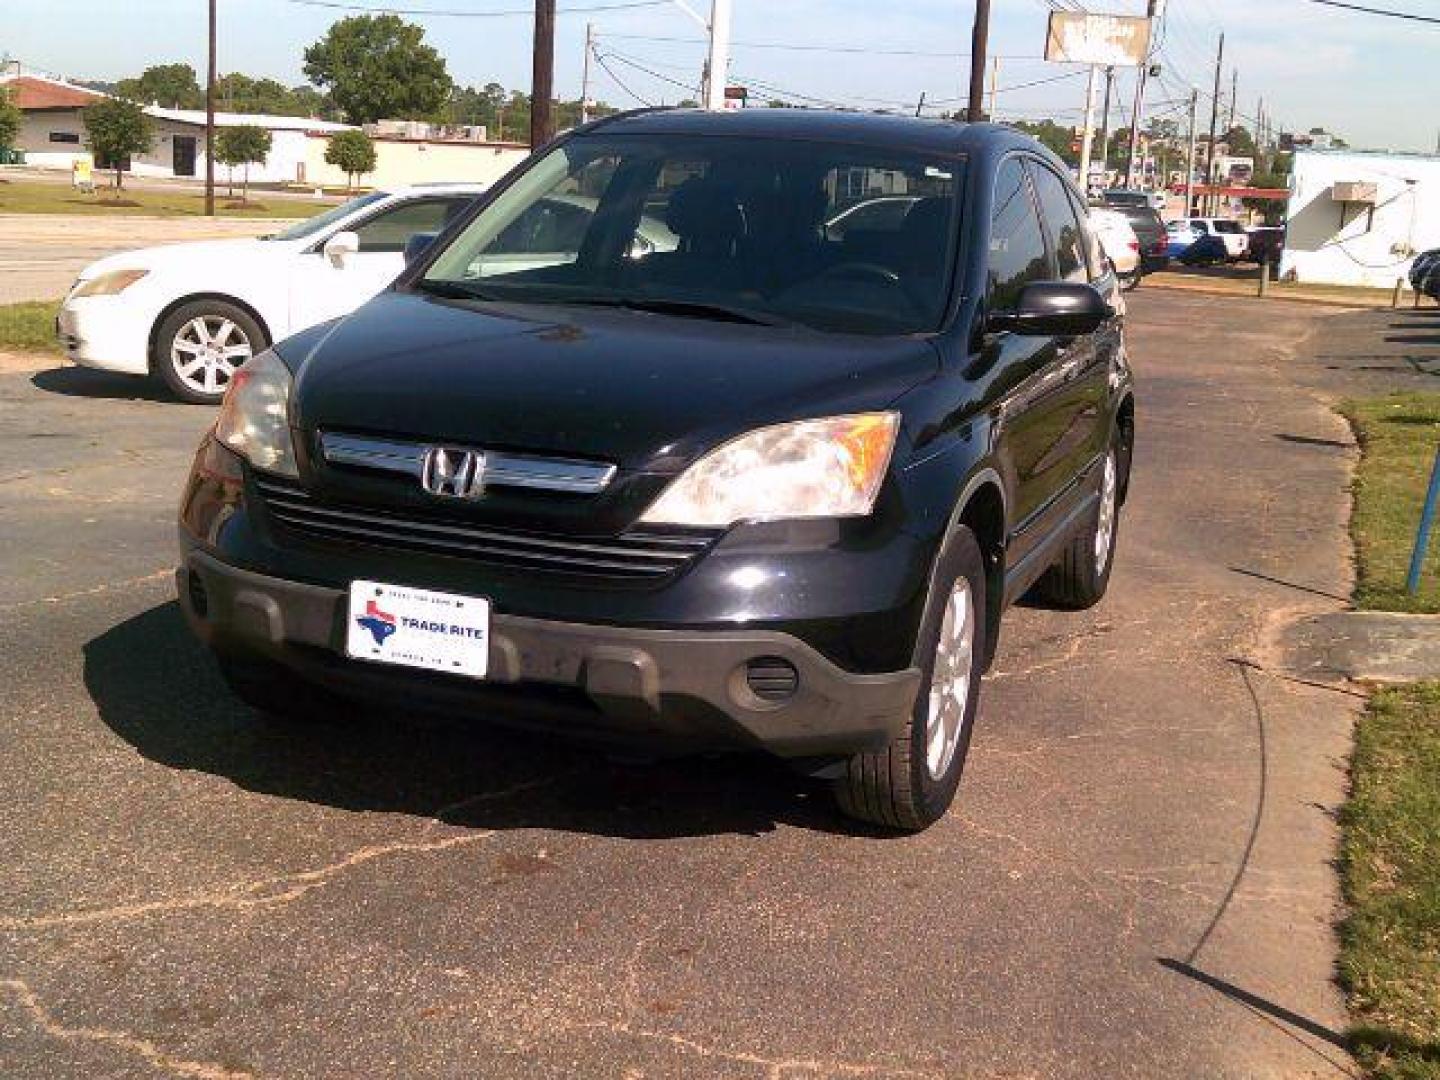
x=1017 y=246
x=1061 y=224
x=388 y=231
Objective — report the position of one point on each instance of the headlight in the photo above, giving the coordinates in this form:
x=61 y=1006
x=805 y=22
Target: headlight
x=116 y=281
x=811 y=468
x=255 y=415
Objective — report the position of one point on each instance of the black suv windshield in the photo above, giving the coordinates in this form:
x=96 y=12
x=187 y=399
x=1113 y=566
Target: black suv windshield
x=708 y=227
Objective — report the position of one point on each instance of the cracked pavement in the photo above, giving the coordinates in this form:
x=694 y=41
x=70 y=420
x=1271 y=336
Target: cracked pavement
x=187 y=889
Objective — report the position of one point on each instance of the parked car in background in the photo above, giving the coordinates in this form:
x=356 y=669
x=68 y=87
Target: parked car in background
x=1153 y=200
x=1150 y=231
x=194 y=313
x=1265 y=244
x=1120 y=244
x=1179 y=236
x=1425 y=273
x=1231 y=234
x=770 y=489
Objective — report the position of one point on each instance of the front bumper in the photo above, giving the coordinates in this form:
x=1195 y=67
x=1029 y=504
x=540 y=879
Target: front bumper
x=673 y=688
x=105 y=332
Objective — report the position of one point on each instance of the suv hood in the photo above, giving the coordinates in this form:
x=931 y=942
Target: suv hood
x=646 y=392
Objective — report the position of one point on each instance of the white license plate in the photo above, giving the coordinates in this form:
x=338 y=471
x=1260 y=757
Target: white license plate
x=418 y=628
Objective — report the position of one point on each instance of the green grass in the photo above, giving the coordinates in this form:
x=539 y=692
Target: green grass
x=28 y=197
x=1390 y=862
x=29 y=327
x=1398 y=435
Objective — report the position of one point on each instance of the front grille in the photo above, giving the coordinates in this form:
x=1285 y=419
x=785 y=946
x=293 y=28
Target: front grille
x=641 y=555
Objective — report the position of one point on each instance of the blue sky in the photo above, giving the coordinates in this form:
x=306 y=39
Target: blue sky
x=1372 y=80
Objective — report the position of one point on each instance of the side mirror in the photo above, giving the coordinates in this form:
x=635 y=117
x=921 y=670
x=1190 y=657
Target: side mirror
x=1055 y=309
x=340 y=247
x=417 y=245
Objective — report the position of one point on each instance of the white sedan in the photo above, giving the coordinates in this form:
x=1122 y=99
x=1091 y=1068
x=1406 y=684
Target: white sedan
x=194 y=313
x=1122 y=247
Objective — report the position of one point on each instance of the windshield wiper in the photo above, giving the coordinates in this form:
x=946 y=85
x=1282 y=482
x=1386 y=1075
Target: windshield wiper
x=688 y=309
x=454 y=290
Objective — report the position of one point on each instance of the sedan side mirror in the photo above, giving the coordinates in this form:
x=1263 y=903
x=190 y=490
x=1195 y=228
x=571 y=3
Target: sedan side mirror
x=417 y=245
x=340 y=247
x=1055 y=309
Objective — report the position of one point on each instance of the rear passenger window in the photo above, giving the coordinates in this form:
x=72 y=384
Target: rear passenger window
x=1061 y=225
x=1017 y=246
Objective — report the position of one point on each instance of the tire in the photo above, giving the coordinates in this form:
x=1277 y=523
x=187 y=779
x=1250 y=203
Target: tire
x=1081 y=575
x=910 y=783
x=200 y=345
x=276 y=692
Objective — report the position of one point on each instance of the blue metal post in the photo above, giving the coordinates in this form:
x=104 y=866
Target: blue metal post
x=1427 y=519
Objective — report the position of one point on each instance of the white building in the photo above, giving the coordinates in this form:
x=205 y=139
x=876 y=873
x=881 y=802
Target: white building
x=52 y=133
x=1358 y=217
x=52 y=136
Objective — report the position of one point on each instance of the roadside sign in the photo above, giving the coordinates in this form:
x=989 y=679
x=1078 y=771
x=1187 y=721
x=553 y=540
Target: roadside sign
x=1104 y=40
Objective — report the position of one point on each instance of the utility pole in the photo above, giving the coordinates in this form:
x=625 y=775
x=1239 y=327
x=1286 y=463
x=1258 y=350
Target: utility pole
x=1087 y=138
x=717 y=67
x=1214 y=120
x=994 y=84
x=542 y=77
x=585 y=74
x=1139 y=109
x=979 y=44
x=1105 y=121
x=210 y=121
x=1190 y=157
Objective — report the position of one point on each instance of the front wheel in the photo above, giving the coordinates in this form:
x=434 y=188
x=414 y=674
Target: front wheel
x=910 y=783
x=1131 y=281
x=200 y=345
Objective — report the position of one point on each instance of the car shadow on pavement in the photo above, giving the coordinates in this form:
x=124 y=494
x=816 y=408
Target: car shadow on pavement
x=89 y=383
x=160 y=691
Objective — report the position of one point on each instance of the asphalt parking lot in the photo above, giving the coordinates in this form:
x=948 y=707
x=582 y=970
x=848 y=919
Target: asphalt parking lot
x=1135 y=881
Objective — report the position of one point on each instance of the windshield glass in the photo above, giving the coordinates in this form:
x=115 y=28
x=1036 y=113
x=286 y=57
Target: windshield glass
x=313 y=225
x=834 y=236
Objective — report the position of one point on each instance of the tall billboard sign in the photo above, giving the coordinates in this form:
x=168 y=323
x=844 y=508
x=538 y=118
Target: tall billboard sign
x=1100 y=40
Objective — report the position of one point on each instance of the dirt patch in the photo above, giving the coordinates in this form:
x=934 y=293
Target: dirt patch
x=20 y=363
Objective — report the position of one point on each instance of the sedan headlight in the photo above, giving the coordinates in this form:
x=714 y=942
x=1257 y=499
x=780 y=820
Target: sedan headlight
x=811 y=468
x=116 y=281
x=255 y=415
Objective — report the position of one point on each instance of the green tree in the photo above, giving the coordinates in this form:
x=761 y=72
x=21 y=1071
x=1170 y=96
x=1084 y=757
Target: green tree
x=1057 y=138
x=311 y=102
x=243 y=144
x=377 y=67
x=240 y=93
x=9 y=120
x=173 y=86
x=1240 y=142
x=353 y=151
x=117 y=129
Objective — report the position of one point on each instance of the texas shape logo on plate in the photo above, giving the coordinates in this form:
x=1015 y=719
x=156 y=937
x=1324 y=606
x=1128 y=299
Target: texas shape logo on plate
x=379 y=623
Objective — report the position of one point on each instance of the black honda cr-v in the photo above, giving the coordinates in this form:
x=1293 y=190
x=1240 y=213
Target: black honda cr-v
x=701 y=430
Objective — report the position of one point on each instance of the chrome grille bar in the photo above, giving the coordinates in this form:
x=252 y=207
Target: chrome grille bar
x=501 y=469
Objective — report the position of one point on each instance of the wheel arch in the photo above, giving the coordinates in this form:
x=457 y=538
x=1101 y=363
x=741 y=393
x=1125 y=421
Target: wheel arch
x=190 y=298
x=1125 y=430
x=982 y=509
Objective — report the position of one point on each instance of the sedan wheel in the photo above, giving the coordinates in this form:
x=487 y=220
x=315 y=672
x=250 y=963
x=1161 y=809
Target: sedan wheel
x=200 y=346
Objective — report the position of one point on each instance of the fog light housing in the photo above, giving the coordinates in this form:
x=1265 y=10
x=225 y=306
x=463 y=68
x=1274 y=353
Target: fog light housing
x=772 y=678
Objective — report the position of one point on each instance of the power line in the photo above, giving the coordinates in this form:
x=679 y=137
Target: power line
x=457 y=13
x=612 y=55
x=621 y=82
x=787 y=47
x=1387 y=12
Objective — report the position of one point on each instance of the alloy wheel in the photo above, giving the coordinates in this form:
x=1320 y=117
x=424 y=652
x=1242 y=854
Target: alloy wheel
x=1105 y=526
x=950 y=681
x=207 y=351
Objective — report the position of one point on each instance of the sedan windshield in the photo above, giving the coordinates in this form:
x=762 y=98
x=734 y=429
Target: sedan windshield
x=312 y=225
x=836 y=237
